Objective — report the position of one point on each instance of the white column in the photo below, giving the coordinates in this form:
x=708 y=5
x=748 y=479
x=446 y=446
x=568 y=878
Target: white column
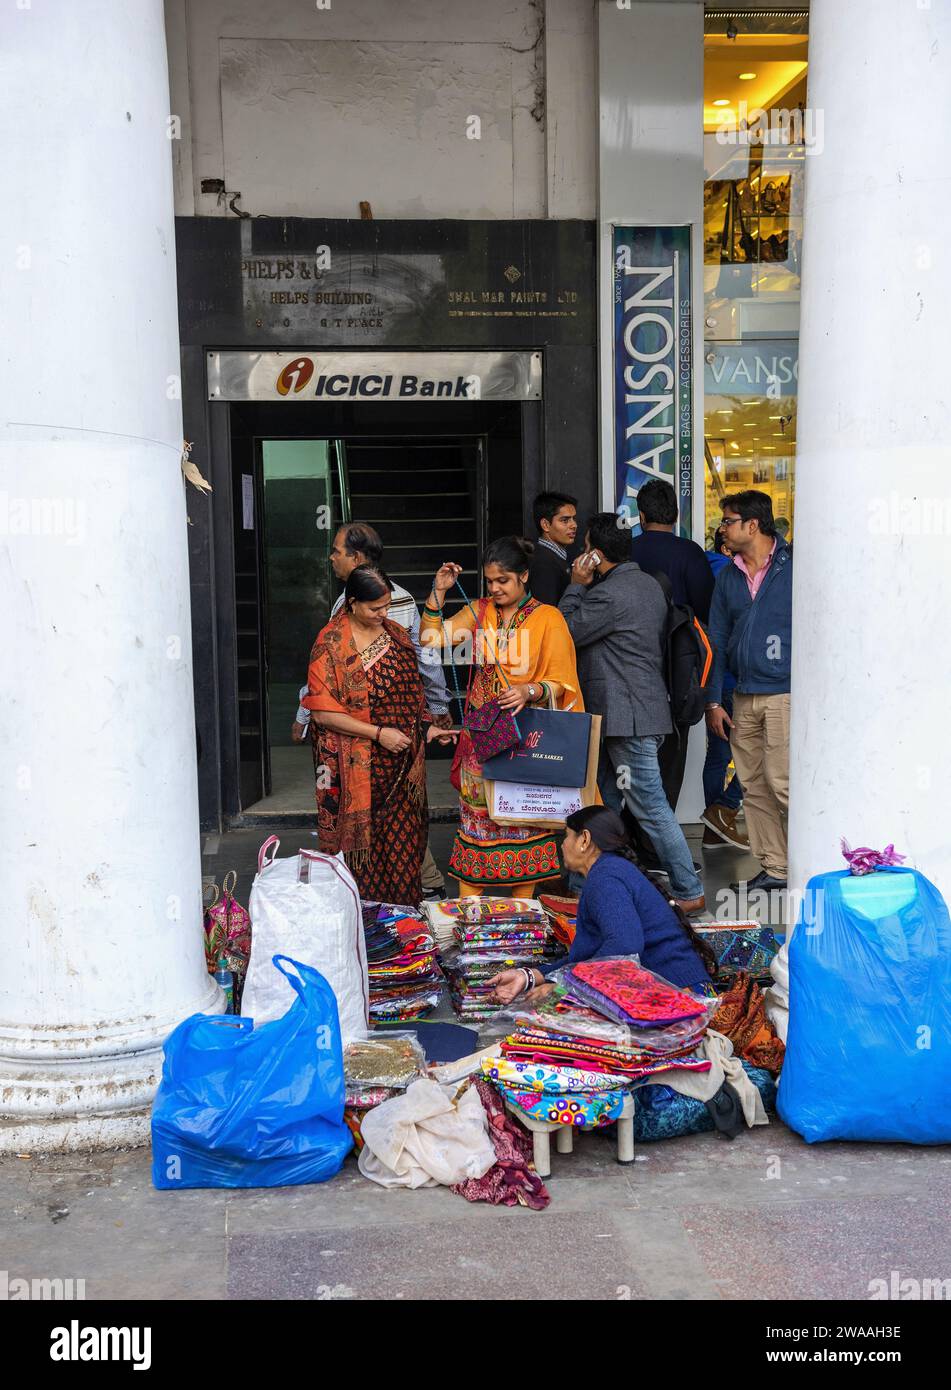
x=871 y=681
x=100 y=940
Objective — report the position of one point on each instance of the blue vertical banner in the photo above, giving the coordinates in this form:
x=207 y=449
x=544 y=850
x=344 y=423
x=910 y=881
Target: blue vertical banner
x=653 y=366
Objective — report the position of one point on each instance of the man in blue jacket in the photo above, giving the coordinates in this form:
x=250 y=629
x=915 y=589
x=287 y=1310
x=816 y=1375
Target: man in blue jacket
x=751 y=632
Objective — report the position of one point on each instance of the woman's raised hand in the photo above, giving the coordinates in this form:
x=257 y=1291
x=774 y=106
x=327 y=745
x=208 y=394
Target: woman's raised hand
x=446 y=576
x=393 y=740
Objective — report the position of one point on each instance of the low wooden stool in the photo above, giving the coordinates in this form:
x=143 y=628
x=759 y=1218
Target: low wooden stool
x=541 y=1131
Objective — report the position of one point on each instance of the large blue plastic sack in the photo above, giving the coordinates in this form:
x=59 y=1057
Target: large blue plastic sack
x=868 y=1052
x=240 y=1106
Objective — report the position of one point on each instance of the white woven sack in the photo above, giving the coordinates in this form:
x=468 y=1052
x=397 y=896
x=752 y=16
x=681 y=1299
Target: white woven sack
x=306 y=907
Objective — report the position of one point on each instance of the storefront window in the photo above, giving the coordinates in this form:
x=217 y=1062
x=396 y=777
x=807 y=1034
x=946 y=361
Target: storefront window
x=756 y=133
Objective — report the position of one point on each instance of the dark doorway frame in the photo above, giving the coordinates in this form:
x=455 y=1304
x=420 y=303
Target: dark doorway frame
x=237 y=426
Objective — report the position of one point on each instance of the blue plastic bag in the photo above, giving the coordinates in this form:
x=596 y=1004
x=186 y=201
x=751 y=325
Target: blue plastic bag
x=240 y=1106
x=868 y=1052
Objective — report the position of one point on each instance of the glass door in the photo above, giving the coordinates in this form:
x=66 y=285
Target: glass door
x=305 y=497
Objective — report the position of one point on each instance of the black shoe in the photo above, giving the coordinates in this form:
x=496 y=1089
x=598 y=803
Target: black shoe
x=761 y=882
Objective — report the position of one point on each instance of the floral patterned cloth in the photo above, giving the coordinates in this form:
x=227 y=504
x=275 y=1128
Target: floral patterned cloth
x=589 y=1110
x=552 y=1081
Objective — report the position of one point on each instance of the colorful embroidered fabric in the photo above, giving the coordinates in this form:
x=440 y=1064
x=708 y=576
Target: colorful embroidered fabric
x=512 y=1179
x=741 y=1017
x=404 y=1008
x=586 y=1111
x=402 y=968
x=740 y=946
x=507 y=935
x=628 y=992
x=547 y=1049
x=501 y=861
x=365 y=1097
x=552 y=1081
x=496 y=911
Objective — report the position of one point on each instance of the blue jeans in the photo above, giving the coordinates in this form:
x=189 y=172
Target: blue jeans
x=717 y=762
x=633 y=761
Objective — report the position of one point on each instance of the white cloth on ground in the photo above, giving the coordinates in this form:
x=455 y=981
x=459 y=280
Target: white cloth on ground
x=426 y=1138
x=703 y=1085
x=777 y=996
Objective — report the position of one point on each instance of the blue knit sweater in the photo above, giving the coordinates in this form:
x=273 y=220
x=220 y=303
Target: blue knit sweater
x=621 y=913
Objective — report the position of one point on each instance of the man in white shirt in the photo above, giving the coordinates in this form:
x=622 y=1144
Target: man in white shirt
x=358 y=543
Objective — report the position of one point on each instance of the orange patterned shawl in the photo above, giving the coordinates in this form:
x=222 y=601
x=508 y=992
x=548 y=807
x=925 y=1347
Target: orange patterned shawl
x=337 y=684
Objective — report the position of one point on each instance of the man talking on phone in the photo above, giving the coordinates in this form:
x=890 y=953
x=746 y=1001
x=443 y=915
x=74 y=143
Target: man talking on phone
x=618 y=626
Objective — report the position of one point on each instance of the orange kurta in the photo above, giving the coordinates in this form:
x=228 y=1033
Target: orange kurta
x=535 y=647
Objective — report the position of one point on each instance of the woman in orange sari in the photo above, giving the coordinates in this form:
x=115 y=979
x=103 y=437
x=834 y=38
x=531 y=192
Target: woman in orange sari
x=367 y=713
x=524 y=655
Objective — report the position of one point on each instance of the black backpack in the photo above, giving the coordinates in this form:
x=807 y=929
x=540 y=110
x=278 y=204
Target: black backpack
x=688 y=658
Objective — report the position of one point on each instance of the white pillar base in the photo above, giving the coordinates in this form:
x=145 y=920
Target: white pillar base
x=63 y=1091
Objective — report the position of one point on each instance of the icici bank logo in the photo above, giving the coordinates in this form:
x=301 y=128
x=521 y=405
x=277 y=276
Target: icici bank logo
x=295 y=376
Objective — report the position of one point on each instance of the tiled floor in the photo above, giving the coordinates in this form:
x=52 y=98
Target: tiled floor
x=762 y=1217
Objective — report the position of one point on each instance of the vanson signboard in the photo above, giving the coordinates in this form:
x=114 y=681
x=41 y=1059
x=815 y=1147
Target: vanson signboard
x=653 y=364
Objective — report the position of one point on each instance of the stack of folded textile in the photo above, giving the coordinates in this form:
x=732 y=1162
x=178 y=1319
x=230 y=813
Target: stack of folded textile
x=609 y=1024
x=490 y=935
x=376 y=1069
x=563 y=915
x=621 y=989
x=558 y=1094
x=404 y=976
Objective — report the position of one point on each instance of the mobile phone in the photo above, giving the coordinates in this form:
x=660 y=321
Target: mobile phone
x=594 y=558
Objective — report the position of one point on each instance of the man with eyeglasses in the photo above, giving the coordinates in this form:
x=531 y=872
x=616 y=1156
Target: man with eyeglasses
x=751 y=631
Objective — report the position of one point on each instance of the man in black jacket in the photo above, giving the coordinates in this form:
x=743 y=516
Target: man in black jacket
x=659 y=550
x=556 y=522
x=618 y=627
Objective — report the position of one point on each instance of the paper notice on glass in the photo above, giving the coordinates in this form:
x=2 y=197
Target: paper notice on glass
x=515 y=801
x=247 y=500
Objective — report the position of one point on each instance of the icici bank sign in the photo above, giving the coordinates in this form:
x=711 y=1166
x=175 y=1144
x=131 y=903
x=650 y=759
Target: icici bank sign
x=374 y=376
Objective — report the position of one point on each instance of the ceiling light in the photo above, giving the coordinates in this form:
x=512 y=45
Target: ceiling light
x=747 y=76
x=722 y=101
x=726 y=429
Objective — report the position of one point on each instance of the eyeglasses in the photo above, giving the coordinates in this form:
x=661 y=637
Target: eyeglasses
x=730 y=521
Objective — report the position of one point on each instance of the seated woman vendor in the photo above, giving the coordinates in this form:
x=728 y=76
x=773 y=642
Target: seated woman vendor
x=620 y=912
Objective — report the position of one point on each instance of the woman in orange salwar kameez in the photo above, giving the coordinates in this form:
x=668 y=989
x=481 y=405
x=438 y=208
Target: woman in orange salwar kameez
x=528 y=641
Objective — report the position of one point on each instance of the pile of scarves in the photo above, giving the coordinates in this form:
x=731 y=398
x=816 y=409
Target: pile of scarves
x=404 y=976
x=490 y=935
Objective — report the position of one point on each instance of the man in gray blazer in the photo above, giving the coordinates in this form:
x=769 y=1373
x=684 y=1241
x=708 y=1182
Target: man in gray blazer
x=618 y=627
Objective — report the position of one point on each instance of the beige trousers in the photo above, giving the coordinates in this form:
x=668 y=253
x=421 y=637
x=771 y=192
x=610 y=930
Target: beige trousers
x=433 y=880
x=759 y=741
